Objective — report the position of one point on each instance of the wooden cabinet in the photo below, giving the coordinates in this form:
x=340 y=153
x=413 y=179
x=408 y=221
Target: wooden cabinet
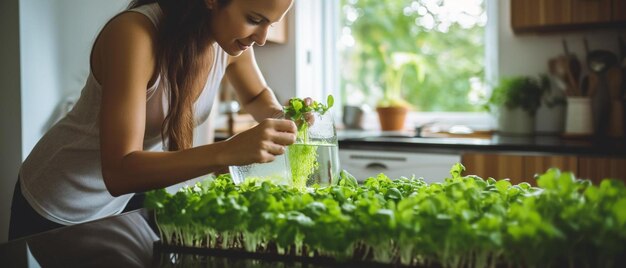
x=556 y=15
x=535 y=13
x=497 y=166
x=597 y=168
x=534 y=165
x=619 y=10
x=591 y=11
x=520 y=168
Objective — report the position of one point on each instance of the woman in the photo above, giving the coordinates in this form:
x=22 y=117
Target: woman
x=155 y=70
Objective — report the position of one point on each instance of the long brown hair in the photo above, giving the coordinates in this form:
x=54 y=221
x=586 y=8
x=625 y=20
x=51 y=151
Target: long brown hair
x=183 y=36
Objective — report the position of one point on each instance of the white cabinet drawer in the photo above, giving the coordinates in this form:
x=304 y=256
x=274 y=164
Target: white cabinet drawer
x=367 y=163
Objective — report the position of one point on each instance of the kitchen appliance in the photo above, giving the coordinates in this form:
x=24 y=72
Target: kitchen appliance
x=432 y=167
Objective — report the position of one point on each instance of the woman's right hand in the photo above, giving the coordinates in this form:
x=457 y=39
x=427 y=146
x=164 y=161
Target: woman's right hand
x=262 y=143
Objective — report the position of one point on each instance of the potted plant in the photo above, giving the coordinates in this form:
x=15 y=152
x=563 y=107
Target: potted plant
x=515 y=101
x=550 y=118
x=392 y=108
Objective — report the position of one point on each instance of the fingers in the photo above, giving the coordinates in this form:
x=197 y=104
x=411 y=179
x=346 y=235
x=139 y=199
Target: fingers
x=284 y=139
x=276 y=149
x=262 y=143
x=308 y=101
x=277 y=133
x=282 y=125
x=309 y=118
x=281 y=132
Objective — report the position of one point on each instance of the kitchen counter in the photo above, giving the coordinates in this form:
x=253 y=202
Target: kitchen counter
x=126 y=240
x=549 y=145
x=406 y=141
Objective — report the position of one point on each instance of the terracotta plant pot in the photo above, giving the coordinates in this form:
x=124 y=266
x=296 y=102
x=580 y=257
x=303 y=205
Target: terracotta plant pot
x=392 y=118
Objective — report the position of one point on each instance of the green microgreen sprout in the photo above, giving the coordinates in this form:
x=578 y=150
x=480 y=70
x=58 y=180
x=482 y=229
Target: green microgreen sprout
x=298 y=108
x=303 y=155
x=460 y=221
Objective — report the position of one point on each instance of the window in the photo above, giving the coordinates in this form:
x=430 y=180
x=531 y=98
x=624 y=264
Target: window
x=447 y=37
x=444 y=37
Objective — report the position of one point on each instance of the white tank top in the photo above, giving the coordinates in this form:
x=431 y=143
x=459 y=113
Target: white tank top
x=62 y=176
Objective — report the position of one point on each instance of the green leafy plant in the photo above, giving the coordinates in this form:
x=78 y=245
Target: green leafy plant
x=297 y=109
x=396 y=67
x=453 y=53
x=519 y=92
x=462 y=221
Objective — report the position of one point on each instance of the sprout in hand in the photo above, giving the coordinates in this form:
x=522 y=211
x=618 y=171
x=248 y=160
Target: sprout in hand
x=301 y=110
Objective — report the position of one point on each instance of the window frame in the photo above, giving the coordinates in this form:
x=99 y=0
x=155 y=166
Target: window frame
x=317 y=65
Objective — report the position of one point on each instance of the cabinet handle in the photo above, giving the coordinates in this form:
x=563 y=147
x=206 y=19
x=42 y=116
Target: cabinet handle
x=378 y=157
x=377 y=166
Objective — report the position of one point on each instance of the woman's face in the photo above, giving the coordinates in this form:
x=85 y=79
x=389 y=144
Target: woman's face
x=242 y=23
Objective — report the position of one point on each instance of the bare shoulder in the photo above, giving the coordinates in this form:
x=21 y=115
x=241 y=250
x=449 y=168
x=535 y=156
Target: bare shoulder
x=128 y=28
x=130 y=37
x=131 y=26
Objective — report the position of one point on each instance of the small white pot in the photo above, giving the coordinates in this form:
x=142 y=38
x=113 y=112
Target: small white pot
x=578 y=117
x=516 y=121
x=550 y=120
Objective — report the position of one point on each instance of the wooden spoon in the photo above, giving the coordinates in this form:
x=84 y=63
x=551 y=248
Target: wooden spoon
x=592 y=84
x=614 y=79
x=616 y=117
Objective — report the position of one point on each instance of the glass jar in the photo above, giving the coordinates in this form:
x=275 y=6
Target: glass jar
x=276 y=171
x=314 y=157
x=312 y=160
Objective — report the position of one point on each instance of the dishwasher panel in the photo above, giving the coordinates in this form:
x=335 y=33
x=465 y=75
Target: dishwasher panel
x=368 y=163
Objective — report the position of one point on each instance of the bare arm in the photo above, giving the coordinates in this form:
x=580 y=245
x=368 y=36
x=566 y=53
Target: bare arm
x=252 y=90
x=124 y=63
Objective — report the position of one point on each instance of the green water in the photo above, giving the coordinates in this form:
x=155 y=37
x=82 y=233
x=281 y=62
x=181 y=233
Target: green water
x=313 y=164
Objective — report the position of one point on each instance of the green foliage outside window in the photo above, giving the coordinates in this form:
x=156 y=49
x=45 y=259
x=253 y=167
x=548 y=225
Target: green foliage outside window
x=451 y=51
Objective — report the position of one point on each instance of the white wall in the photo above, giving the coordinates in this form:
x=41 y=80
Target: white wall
x=56 y=37
x=80 y=21
x=295 y=69
x=11 y=133
x=39 y=40
x=45 y=52
x=278 y=61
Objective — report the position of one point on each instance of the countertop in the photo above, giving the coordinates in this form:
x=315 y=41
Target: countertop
x=492 y=143
x=538 y=144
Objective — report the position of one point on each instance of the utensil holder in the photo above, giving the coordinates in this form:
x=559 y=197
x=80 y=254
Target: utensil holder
x=578 y=117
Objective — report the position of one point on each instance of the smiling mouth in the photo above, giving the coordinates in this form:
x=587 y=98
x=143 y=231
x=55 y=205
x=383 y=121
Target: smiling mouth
x=242 y=46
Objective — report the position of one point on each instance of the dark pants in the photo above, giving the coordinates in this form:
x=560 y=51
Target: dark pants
x=26 y=221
